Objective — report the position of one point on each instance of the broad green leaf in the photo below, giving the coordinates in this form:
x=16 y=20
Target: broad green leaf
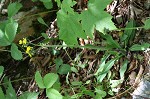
x=15 y=53
x=10 y=92
x=53 y=94
x=11 y=30
x=57 y=85
x=64 y=69
x=69 y=24
x=96 y=17
x=3 y=39
x=40 y=20
x=137 y=47
x=13 y=8
x=58 y=62
x=1 y=70
x=123 y=69
x=29 y=95
x=48 y=5
x=70 y=27
x=147 y=24
x=2 y=96
x=49 y=79
x=39 y=80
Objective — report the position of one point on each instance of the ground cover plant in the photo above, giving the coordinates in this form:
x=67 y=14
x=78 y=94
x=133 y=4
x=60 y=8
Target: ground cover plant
x=73 y=49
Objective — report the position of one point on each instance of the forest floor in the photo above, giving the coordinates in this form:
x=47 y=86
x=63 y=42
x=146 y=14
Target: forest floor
x=86 y=61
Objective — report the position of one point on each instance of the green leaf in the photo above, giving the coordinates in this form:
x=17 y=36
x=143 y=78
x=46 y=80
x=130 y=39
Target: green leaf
x=137 y=47
x=15 y=53
x=40 y=20
x=13 y=8
x=29 y=95
x=147 y=24
x=100 y=94
x=64 y=69
x=53 y=94
x=76 y=83
x=111 y=43
x=104 y=68
x=58 y=62
x=74 y=69
x=108 y=65
x=115 y=83
x=11 y=30
x=2 y=96
x=45 y=0
x=96 y=17
x=49 y=79
x=39 y=80
x=129 y=34
x=48 y=5
x=58 y=2
x=123 y=69
x=66 y=17
x=1 y=70
x=3 y=39
x=10 y=92
x=1 y=34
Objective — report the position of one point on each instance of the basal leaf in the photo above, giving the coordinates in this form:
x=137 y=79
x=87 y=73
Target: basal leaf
x=1 y=34
x=129 y=34
x=53 y=94
x=13 y=8
x=39 y=80
x=147 y=24
x=137 y=47
x=15 y=53
x=111 y=43
x=11 y=30
x=49 y=79
x=123 y=69
x=64 y=69
x=29 y=95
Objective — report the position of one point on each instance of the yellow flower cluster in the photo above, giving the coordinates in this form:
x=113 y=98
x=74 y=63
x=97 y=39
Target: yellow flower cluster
x=28 y=48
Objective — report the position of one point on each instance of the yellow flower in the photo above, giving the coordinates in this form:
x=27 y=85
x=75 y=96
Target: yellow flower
x=24 y=41
x=20 y=42
x=28 y=50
